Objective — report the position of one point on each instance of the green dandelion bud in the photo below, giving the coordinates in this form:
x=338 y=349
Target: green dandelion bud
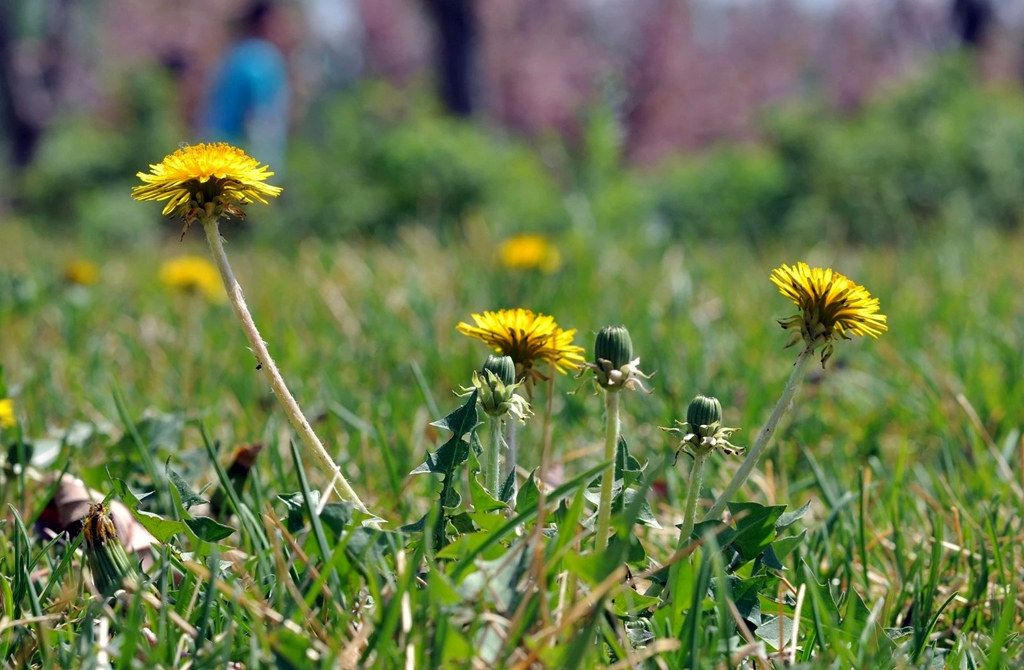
x=703 y=411
x=614 y=345
x=502 y=367
x=614 y=367
x=496 y=390
x=703 y=431
x=107 y=559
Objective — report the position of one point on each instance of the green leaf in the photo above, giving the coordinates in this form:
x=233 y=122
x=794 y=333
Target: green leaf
x=508 y=489
x=162 y=529
x=208 y=530
x=783 y=546
x=822 y=597
x=723 y=534
x=627 y=468
x=336 y=517
x=529 y=496
x=629 y=603
x=470 y=542
x=746 y=596
x=482 y=500
x=296 y=505
x=462 y=420
x=487 y=521
x=789 y=518
x=633 y=552
x=440 y=589
x=463 y=523
x=627 y=497
x=769 y=630
x=188 y=496
x=495 y=580
x=453 y=453
x=755 y=527
x=770 y=560
x=589 y=567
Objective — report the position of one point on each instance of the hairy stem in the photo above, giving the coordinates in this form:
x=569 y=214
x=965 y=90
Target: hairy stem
x=492 y=474
x=690 y=512
x=266 y=363
x=611 y=440
x=764 y=438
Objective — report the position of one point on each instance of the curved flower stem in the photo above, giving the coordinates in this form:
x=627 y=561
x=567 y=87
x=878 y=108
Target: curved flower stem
x=492 y=479
x=259 y=348
x=690 y=512
x=764 y=438
x=611 y=440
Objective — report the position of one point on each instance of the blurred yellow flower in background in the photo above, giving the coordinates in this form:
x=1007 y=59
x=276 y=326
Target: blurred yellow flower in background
x=7 y=419
x=193 y=274
x=206 y=180
x=81 y=273
x=529 y=252
x=526 y=338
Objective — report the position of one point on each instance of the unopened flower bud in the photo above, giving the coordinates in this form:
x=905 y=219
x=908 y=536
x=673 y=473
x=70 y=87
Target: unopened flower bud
x=107 y=559
x=502 y=367
x=703 y=411
x=613 y=366
x=703 y=431
x=496 y=386
x=614 y=345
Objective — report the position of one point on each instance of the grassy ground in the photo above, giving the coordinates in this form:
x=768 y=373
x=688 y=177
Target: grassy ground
x=908 y=450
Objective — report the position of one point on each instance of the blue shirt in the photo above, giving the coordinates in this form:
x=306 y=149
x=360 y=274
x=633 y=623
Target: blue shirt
x=247 y=101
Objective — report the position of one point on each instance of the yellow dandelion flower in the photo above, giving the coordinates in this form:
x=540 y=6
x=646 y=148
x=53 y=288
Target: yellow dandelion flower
x=831 y=305
x=81 y=273
x=7 y=419
x=530 y=252
x=193 y=274
x=527 y=338
x=206 y=180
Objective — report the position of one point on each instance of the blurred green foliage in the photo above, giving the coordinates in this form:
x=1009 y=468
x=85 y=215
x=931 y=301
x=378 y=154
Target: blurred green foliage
x=377 y=159
x=941 y=150
x=84 y=169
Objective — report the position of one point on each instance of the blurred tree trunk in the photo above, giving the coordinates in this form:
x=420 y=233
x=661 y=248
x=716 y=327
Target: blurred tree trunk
x=455 y=50
x=972 y=20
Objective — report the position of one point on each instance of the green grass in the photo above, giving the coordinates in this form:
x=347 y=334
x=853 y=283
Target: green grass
x=908 y=450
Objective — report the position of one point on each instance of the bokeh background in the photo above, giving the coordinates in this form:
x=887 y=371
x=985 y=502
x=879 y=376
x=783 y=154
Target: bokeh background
x=857 y=120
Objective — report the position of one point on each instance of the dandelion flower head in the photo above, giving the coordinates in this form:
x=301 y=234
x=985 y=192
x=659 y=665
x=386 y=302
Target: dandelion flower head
x=193 y=274
x=81 y=273
x=530 y=252
x=7 y=419
x=527 y=338
x=206 y=180
x=830 y=304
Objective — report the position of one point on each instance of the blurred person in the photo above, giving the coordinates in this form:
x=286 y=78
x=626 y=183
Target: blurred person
x=247 y=102
x=455 y=46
